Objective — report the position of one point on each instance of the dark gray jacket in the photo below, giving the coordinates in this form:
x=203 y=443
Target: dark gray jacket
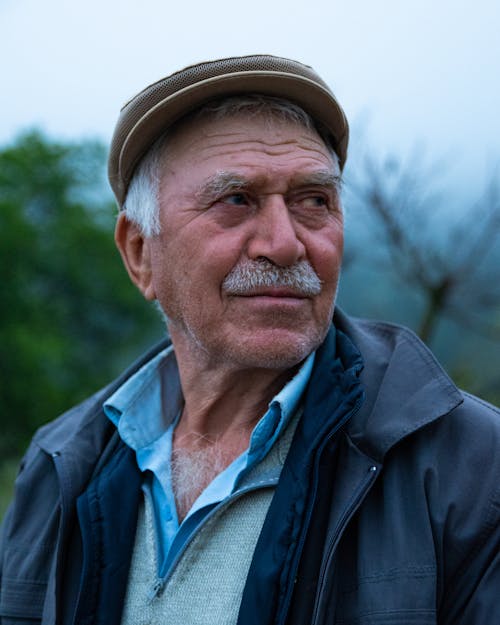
x=408 y=529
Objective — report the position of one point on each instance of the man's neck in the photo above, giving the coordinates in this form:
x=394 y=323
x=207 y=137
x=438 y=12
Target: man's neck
x=222 y=405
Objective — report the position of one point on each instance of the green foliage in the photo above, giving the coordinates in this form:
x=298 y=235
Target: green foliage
x=8 y=472
x=69 y=316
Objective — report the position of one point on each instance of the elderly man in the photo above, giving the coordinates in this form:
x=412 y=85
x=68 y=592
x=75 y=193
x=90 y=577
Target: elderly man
x=276 y=462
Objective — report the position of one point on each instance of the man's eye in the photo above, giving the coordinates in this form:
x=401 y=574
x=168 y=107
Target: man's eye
x=237 y=199
x=315 y=201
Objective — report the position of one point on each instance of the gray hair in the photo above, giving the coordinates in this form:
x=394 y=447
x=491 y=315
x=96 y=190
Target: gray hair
x=141 y=204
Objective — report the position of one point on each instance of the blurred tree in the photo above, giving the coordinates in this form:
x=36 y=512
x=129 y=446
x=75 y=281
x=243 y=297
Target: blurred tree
x=449 y=257
x=69 y=317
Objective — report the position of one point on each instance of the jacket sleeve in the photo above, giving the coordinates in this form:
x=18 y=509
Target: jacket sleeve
x=471 y=551
x=25 y=548
x=473 y=597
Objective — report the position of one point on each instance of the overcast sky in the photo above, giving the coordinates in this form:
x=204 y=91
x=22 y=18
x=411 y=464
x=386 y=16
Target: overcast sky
x=407 y=72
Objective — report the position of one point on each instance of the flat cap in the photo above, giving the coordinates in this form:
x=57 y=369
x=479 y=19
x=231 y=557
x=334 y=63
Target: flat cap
x=148 y=114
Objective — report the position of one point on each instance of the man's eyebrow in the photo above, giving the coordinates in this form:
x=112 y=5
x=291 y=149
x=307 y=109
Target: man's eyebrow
x=223 y=182
x=219 y=184
x=322 y=178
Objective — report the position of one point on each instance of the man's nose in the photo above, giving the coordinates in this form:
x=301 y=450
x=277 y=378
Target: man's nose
x=275 y=235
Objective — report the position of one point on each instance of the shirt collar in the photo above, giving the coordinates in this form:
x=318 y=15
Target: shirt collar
x=281 y=409
x=145 y=405
x=150 y=400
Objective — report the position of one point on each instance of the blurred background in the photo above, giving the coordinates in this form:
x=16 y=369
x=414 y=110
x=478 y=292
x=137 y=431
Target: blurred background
x=420 y=84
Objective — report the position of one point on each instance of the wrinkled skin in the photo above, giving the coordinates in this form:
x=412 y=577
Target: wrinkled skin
x=234 y=190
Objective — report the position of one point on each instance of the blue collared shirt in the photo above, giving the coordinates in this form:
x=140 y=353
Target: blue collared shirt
x=146 y=409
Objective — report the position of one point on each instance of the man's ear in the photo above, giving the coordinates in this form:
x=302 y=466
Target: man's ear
x=135 y=250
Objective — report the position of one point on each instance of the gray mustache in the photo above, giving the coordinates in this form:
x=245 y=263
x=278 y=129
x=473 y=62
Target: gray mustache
x=249 y=276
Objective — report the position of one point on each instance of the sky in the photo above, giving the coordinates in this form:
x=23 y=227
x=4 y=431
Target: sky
x=408 y=73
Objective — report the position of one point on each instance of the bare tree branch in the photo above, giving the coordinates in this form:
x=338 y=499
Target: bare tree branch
x=449 y=261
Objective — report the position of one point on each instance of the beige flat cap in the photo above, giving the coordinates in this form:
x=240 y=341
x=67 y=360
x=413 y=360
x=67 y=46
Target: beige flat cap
x=148 y=114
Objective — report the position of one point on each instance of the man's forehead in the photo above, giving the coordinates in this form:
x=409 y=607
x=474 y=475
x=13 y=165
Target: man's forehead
x=261 y=129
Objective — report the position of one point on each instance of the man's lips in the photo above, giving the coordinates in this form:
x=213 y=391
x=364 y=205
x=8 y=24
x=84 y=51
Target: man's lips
x=274 y=292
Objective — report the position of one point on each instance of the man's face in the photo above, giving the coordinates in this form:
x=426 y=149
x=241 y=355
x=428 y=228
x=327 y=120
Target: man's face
x=245 y=191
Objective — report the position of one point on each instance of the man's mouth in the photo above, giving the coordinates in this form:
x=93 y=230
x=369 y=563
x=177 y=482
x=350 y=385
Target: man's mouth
x=272 y=292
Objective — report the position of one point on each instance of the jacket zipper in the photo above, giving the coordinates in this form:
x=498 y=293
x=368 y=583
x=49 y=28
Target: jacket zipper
x=333 y=541
x=161 y=582
x=57 y=462
x=288 y=597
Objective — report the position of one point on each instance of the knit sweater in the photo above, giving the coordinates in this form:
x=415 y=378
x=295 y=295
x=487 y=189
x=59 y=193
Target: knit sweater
x=205 y=584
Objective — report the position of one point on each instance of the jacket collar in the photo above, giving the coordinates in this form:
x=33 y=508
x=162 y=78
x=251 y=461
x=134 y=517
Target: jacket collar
x=406 y=388
x=83 y=439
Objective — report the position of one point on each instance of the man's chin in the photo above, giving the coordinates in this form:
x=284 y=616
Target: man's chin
x=273 y=353
x=248 y=345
